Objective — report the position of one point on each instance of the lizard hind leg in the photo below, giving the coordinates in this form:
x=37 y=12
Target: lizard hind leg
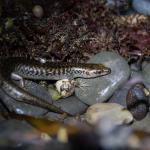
x=17 y=77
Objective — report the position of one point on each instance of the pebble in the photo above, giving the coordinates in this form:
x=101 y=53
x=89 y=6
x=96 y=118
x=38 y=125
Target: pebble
x=142 y=6
x=114 y=111
x=38 y=11
x=138 y=101
x=101 y=88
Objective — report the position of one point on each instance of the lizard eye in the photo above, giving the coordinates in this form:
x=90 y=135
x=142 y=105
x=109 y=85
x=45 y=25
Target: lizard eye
x=97 y=72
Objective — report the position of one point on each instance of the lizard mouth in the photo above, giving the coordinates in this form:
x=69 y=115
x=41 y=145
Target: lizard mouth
x=106 y=71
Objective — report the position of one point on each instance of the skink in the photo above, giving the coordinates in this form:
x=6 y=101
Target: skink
x=34 y=69
x=21 y=95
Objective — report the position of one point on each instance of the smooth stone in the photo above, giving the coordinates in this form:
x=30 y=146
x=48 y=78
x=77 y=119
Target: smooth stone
x=143 y=125
x=101 y=88
x=146 y=74
x=142 y=6
x=113 y=111
x=19 y=107
x=24 y=108
x=71 y=104
x=119 y=95
x=138 y=101
x=140 y=110
x=38 y=11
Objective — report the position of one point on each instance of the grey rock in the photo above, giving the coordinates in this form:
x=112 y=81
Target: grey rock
x=119 y=95
x=137 y=96
x=23 y=108
x=19 y=107
x=146 y=74
x=101 y=88
x=114 y=137
x=71 y=104
x=142 y=6
x=143 y=124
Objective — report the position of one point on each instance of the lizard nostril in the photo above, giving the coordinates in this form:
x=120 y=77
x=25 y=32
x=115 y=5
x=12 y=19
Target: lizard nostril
x=108 y=70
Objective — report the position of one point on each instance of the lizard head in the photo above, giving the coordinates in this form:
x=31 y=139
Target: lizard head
x=93 y=70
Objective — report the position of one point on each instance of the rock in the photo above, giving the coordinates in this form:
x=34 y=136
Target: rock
x=24 y=108
x=38 y=11
x=142 y=6
x=19 y=107
x=119 y=95
x=16 y=134
x=71 y=105
x=114 y=111
x=142 y=125
x=133 y=95
x=101 y=88
x=146 y=74
x=113 y=136
x=138 y=101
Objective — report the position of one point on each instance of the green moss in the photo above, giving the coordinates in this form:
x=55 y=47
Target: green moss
x=9 y=23
x=53 y=92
